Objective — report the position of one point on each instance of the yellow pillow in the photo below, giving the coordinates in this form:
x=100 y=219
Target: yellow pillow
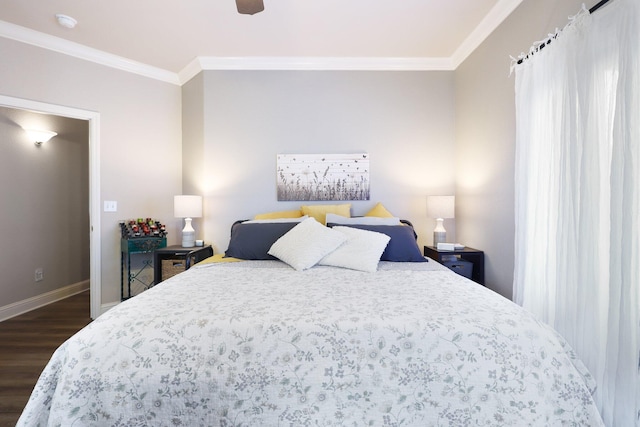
x=319 y=212
x=279 y=214
x=218 y=258
x=379 y=211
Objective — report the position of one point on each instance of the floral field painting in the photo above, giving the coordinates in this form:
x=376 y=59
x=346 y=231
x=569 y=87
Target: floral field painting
x=323 y=177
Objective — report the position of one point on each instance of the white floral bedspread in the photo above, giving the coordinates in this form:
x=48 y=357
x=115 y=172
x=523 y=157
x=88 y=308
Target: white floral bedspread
x=259 y=344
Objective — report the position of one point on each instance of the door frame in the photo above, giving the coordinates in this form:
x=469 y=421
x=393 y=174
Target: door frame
x=93 y=118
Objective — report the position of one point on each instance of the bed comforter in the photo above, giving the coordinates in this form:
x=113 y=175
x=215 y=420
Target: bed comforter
x=259 y=344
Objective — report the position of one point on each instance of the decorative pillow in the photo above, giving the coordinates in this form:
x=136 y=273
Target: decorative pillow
x=319 y=212
x=306 y=244
x=274 y=220
x=279 y=214
x=380 y=211
x=252 y=241
x=361 y=251
x=370 y=220
x=219 y=258
x=401 y=248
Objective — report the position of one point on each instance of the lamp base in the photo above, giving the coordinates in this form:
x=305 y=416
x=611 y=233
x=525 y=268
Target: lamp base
x=439 y=237
x=188 y=234
x=439 y=233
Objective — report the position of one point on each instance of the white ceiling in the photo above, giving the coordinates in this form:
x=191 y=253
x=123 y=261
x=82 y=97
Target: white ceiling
x=168 y=37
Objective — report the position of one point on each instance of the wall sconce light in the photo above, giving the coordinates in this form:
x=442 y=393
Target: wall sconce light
x=440 y=207
x=39 y=137
x=187 y=207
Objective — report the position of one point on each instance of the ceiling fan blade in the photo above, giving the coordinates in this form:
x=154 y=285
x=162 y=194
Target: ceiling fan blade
x=249 y=7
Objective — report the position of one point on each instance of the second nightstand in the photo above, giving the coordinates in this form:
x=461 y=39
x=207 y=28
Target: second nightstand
x=474 y=256
x=169 y=261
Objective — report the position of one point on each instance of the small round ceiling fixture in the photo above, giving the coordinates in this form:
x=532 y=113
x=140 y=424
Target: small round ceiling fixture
x=66 y=21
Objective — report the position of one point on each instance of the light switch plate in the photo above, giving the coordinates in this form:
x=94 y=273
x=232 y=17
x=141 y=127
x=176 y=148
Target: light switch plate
x=110 y=206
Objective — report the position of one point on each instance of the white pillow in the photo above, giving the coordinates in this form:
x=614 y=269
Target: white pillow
x=366 y=220
x=275 y=220
x=306 y=244
x=361 y=251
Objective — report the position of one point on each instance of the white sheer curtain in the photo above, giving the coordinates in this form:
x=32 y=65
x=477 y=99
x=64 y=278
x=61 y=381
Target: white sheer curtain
x=577 y=263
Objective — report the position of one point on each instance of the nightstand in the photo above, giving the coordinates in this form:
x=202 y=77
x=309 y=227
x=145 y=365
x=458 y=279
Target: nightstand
x=169 y=261
x=136 y=264
x=474 y=256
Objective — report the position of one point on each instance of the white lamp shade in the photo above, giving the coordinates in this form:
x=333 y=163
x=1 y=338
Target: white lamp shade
x=187 y=206
x=441 y=206
x=39 y=136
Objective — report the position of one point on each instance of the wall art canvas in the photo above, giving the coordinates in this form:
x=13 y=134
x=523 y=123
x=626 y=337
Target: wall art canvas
x=323 y=177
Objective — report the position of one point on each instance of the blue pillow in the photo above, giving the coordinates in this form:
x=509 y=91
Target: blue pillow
x=252 y=241
x=401 y=248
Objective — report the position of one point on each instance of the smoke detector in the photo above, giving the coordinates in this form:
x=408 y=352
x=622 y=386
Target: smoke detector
x=66 y=21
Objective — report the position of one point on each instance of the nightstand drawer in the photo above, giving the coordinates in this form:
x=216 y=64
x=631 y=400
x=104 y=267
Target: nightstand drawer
x=171 y=267
x=461 y=267
x=175 y=259
x=461 y=256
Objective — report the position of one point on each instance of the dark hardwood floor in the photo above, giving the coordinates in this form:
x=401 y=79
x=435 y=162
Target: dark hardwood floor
x=26 y=344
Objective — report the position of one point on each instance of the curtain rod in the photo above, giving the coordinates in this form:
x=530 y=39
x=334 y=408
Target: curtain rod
x=598 y=6
x=593 y=9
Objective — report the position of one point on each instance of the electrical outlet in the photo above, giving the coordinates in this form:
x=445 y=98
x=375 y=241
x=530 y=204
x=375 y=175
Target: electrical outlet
x=39 y=276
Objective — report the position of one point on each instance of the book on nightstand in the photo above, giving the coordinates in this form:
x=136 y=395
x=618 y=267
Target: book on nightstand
x=449 y=246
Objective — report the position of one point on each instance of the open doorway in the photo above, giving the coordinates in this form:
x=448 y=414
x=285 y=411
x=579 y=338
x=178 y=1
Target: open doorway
x=93 y=185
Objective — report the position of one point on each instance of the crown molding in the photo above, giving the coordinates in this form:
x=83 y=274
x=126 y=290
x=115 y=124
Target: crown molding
x=494 y=18
x=60 y=45
x=190 y=71
x=314 y=64
x=324 y=63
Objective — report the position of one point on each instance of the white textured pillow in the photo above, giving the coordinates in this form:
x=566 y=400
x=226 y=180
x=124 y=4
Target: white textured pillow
x=365 y=220
x=361 y=251
x=306 y=244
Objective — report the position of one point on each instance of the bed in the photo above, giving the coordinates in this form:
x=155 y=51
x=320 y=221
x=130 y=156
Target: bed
x=273 y=342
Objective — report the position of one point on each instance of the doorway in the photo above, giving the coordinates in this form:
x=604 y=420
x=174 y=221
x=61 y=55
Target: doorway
x=94 y=183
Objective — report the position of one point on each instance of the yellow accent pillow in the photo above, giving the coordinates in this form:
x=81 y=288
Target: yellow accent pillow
x=379 y=211
x=319 y=212
x=218 y=258
x=279 y=214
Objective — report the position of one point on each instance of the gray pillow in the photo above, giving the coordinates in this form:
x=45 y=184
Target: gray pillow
x=251 y=241
x=401 y=248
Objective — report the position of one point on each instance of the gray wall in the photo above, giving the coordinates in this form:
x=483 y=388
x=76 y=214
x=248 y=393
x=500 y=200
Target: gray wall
x=426 y=132
x=44 y=219
x=485 y=134
x=404 y=120
x=140 y=140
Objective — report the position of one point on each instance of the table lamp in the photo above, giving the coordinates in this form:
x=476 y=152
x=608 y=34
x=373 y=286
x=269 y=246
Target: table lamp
x=187 y=207
x=440 y=207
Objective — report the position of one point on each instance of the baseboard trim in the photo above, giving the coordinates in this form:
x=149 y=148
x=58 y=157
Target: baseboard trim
x=106 y=307
x=24 y=306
